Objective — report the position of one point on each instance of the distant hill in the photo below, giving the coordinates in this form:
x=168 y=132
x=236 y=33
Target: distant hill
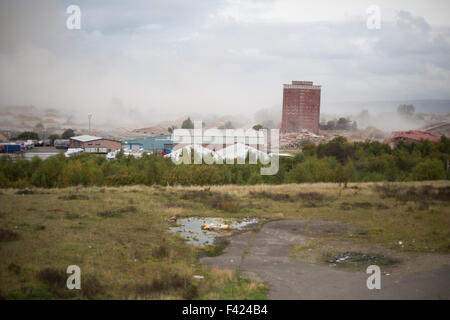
x=429 y=106
x=211 y=121
x=27 y=117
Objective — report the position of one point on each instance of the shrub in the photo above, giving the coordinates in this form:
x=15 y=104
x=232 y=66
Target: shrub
x=74 y=197
x=125 y=179
x=224 y=202
x=116 y=212
x=255 y=178
x=8 y=235
x=431 y=169
x=190 y=292
x=205 y=175
x=311 y=196
x=91 y=287
x=271 y=196
x=168 y=282
x=14 y=268
x=160 y=252
x=26 y=191
x=313 y=170
x=54 y=278
x=197 y=194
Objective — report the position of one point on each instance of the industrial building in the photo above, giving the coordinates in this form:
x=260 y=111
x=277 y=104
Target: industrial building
x=155 y=144
x=94 y=144
x=301 y=107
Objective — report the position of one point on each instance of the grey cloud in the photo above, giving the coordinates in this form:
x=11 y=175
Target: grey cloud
x=412 y=36
x=143 y=58
x=28 y=23
x=115 y=16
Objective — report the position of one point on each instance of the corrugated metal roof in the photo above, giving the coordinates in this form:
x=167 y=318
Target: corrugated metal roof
x=86 y=138
x=151 y=143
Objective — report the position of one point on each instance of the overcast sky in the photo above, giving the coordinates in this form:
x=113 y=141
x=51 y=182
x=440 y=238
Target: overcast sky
x=154 y=59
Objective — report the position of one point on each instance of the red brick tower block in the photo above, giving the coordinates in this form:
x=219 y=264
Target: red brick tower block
x=301 y=107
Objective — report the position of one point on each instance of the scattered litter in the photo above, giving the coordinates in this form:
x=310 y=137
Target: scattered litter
x=355 y=257
x=278 y=215
x=207 y=226
x=341 y=259
x=198 y=277
x=172 y=219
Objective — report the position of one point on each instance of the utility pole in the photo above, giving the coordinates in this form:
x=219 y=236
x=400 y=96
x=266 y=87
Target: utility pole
x=89 y=117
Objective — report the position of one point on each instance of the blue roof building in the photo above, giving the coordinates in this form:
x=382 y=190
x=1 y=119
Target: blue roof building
x=154 y=144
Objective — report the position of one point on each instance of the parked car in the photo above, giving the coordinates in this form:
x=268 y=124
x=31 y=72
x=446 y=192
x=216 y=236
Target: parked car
x=61 y=144
x=29 y=144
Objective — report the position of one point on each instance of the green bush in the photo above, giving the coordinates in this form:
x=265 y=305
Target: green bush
x=431 y=169
x=336 y=161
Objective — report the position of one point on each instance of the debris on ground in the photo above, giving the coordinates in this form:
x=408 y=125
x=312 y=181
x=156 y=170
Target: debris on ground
x=204 y=231
x=212 y=227
x=172 y=219
x=296 y=140
x=356 y=257
x=412 y=136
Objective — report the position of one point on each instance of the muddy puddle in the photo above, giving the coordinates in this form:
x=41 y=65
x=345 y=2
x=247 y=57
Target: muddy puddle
x=204 y=231
x=356 y=258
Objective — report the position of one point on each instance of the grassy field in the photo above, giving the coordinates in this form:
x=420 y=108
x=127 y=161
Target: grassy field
x=120 y=236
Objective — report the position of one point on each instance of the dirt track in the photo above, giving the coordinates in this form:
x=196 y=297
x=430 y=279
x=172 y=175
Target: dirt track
x=264 y=256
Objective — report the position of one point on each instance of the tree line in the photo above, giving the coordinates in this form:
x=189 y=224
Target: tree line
x=336 y=161
x=31 y=135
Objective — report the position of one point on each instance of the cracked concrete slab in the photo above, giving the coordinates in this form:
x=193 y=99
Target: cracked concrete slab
x=264 y=256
